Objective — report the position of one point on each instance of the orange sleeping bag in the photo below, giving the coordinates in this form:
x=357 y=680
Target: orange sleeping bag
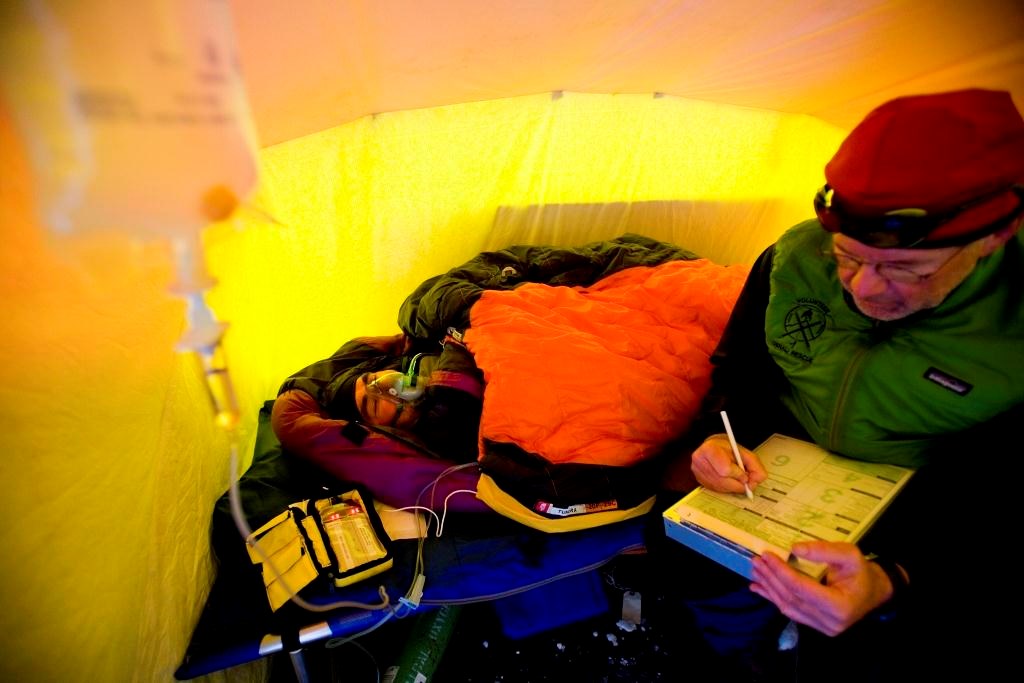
x=605 y=374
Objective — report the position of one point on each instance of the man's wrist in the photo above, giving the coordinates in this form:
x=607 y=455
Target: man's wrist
x=897 y=576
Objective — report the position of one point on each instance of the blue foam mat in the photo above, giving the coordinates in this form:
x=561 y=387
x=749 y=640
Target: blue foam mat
x=562 y=602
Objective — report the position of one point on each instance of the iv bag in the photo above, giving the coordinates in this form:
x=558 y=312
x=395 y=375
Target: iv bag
x=133 y=113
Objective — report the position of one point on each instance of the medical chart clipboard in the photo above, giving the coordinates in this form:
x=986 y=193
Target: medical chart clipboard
x=810 y=494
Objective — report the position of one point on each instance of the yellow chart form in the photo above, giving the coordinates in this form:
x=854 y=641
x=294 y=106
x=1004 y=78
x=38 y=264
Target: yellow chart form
x=810 y=494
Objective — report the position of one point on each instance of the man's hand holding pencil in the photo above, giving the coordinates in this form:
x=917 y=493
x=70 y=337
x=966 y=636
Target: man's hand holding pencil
x=716 y=467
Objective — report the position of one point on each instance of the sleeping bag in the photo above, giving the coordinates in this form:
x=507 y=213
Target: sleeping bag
x=588 y=361
x=593 y=358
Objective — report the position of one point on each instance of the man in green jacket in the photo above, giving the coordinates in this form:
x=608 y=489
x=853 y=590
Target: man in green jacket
x=890 y=329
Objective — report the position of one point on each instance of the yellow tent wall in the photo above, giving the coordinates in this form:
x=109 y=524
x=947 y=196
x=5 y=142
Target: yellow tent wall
x=113 y=463
x=110 y=459
x=370 y=209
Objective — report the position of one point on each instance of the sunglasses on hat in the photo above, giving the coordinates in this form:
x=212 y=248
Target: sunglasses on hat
x=904 y=228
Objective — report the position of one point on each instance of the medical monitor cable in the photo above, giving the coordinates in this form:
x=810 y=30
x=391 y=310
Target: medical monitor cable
x=414 y=595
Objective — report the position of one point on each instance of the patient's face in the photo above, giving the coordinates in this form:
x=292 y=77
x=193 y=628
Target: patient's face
x=376 y=410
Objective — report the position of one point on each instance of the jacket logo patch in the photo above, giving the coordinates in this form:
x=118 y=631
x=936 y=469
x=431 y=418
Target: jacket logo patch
x=957 y=386
x=805 y=322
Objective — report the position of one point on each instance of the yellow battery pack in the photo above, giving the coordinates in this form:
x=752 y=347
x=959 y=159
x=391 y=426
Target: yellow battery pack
x=340 y=539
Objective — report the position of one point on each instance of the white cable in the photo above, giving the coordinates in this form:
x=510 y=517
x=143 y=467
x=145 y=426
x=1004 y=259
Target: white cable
x=433 y=485
x=418 y=568
x=444 y=512
x=417 y=507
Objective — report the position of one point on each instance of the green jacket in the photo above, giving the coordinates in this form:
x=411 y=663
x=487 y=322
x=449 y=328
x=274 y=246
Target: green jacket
x=889 y=391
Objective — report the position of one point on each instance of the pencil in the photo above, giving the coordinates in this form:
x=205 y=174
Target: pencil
x=736 y=452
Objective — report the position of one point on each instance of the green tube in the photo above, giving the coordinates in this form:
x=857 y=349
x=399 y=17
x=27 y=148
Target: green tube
x=427 y=642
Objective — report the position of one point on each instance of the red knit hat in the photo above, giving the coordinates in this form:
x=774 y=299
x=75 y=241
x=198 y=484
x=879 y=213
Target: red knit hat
x=928 y=171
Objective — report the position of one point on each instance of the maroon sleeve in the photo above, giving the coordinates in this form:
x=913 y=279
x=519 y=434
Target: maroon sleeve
x=395 y=472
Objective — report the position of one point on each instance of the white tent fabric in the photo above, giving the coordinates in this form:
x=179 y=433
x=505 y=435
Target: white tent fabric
x=321 y=63
x=397 y=140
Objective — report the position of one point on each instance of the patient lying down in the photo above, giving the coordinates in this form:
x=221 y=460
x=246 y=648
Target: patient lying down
x=361 y=417
x=539 y=324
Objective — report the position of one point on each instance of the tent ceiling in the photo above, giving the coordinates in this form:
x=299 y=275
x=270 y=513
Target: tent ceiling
x=319 y=63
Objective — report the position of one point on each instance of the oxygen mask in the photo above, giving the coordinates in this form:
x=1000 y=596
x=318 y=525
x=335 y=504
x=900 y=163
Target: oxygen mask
x=396 y=387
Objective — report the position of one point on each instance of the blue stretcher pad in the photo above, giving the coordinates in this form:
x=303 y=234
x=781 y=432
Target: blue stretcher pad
x=479 y=557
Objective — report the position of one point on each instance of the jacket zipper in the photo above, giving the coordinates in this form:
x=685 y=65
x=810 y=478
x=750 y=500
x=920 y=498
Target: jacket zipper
x=841 y=395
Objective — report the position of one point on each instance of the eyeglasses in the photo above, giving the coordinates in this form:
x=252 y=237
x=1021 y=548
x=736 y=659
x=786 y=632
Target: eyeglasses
x=381 y=389
x=903 y=228
x=888 y=271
